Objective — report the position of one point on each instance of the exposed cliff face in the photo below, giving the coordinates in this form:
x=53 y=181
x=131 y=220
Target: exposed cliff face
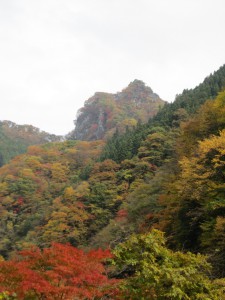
x=91 y=119
x=103 y=113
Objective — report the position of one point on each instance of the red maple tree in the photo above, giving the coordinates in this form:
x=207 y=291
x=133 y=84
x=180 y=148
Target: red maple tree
x=58 y=272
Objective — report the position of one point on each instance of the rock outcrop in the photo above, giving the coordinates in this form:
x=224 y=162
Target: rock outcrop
x=103 y=113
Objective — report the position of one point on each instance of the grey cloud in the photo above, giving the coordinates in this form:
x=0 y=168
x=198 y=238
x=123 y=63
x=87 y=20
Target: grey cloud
x=55 y=54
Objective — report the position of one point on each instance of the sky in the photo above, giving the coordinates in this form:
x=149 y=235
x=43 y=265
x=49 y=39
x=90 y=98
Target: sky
x=55 y=54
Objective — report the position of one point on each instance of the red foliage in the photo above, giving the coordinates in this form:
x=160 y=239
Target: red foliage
x=58 y=272
x=79 y=204
x=121 y=214
x=20 y=201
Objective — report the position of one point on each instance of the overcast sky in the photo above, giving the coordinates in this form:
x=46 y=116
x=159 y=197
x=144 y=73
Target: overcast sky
x=55 y=54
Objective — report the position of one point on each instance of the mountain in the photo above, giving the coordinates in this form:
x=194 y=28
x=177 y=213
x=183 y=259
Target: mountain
x=14 y=139
x=171 y=115
x=104 y=113
x=164 y=177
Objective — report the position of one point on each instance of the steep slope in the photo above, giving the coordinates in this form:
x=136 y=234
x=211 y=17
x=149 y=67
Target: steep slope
x=14 y=139
x=192 y=99
x=169 y=116
x=103 y=113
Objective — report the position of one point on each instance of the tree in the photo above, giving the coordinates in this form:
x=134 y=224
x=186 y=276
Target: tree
x=58 y=272
x=151 y=271
x=200 y=194
x=158 y=147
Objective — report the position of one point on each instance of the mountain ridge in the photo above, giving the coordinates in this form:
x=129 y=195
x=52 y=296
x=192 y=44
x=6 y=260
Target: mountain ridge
x=14 y=139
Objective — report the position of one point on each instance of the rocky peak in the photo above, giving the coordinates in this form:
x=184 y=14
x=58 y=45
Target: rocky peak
x=137 y=92
x=103 y=113
x=137 y=87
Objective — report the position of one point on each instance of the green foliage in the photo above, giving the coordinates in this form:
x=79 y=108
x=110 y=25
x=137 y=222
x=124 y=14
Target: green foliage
x=7 y=296
x=15 y=139
x=142 y=202
x=167 y=174
x=171 y=115
x=151 y=271
x=208 y=120
x=192 y=99
x=192 y=205
x=201 y=193
x=158 y=147
x=125 y=146
x=43 y=198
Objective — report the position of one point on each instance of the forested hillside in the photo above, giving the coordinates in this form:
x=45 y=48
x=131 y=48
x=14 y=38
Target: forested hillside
x=14 y=139
x=102 y=115
x=171 y=115
x=143 y=212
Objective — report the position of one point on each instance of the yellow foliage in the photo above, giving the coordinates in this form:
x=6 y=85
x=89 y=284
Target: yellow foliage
x=69 y=193
x=3 y=189
x=59 y=172
x=82 y=190
x=33 y=162
x=207 y=160
x=220 y=224
x=26 y=173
